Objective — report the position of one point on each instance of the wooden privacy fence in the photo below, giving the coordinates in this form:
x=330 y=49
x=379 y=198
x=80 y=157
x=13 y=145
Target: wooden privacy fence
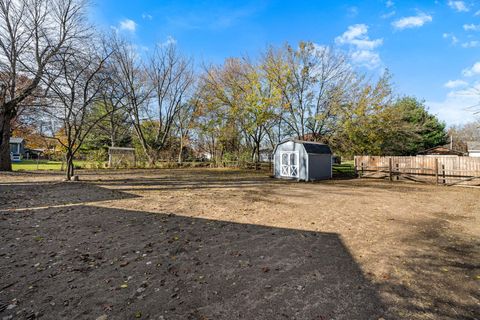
x=446 y=170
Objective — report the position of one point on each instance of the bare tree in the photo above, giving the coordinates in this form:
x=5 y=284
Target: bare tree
x=135 y=88
x=154 y=94
x=184 y=121
x=313 y=81
x=172 y=78
x=74 y=89
x=466 y=132
x=117 y=124
x=32 y=33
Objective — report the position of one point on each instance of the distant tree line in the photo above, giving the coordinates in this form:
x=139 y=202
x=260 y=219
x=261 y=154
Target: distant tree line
x=89 y=91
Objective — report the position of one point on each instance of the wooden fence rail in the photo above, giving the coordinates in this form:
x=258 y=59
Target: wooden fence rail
x=446 y=170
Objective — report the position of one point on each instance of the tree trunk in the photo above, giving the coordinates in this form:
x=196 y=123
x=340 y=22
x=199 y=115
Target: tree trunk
x=252 y=155
x=5 y=134
x=152 y=159
x=112 y=140
x=70 y=168
x=180 y=153
x=257 y=164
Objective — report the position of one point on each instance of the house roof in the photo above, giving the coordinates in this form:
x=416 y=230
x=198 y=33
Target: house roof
x=16 y=140
x=312 y=147
x=441 y=150
x=473 y=145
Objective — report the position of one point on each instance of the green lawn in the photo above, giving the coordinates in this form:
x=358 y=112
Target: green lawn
x=31 y=165
x=344 y=169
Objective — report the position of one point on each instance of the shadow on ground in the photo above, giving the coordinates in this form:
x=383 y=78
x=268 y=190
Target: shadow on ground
x=85 y=261
x=41 y=194
x=440 y=274
x=173 y=179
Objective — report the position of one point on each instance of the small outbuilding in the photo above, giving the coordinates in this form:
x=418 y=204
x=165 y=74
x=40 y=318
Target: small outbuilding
x=17 y=149
x=302 y=160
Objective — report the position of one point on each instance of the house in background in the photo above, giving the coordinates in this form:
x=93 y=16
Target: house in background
x=473 y=149
x=454 y=148
x=17 y=149
x=445 y=150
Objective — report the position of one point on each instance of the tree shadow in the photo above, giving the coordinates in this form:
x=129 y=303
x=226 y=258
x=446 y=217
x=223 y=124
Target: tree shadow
x=42 y=194
x=440 y=277
x=85 y=261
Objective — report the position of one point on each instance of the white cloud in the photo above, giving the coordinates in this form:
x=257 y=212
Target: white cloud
x=455 y=84
x=412 y=21
x=457 y=107
x=147 y=16
x=128 y=25
x=352 y=12
x=471 y=27
x=472 y=71
x=454 y=40
x=460 y=102
x=471 y=44
x=352 y=32
x=366 y=58
x=362 y=47
x=477 y=13
x=389 y=3
x=388 y=15
x=356 y=35
x=459 y=6
x=169 y=42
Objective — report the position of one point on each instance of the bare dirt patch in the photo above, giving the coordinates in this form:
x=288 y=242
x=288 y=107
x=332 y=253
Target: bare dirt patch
x=216 y=244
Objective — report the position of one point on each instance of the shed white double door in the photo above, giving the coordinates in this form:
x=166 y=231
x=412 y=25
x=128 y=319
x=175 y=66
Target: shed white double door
x=289 y=164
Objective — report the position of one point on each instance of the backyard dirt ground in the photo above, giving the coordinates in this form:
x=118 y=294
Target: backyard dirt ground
x=229 y=244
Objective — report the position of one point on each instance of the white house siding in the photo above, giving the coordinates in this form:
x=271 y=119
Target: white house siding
x=474 y=153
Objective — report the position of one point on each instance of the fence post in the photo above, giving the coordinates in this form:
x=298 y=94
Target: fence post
x=397 y=170
x=443 y=174
x=390 y=169
x=361 y=170
x=436 y=171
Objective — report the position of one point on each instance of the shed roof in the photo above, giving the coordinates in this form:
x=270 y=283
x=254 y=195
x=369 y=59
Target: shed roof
x=16 y=140
x=312 y=147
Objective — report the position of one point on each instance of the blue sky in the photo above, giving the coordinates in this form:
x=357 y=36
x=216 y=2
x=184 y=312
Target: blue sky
x=432 y=48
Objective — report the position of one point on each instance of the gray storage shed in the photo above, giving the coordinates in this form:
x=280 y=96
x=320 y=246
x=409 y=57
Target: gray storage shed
x=302 y=160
